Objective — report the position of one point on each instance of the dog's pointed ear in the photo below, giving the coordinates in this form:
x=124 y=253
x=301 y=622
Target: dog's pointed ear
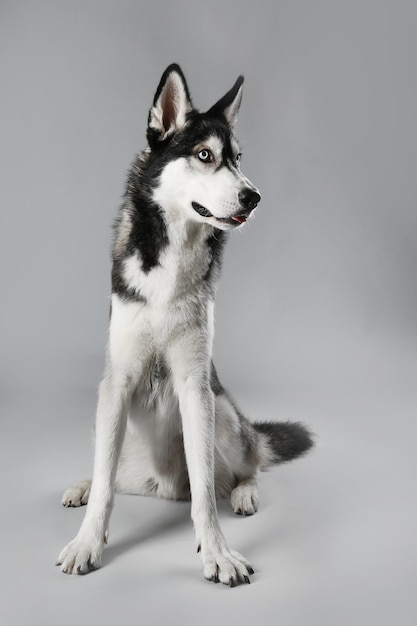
x=171 y=105
x=228 y=106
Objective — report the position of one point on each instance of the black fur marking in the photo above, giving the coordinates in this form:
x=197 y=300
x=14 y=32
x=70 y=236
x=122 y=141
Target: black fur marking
x=216 y=243
x=228 y=157
x=149 y=232
x=288 y=440
x=127 y=294
x=198 y=129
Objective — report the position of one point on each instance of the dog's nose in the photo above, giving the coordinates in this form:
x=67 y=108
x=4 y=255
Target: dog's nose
x=249 y=198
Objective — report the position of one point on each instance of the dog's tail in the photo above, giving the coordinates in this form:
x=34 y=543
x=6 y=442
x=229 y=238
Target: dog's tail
x=283 y=441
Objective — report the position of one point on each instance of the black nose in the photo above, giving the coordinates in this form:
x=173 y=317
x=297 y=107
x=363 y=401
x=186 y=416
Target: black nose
x=249 y=198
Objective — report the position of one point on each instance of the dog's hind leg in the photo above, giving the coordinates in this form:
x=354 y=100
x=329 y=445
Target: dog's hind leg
x=244 y=447
x=237 y=456
x=77 y=495
x=244 y=497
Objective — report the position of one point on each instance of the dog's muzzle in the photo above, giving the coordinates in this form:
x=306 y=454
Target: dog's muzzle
x=248 y=199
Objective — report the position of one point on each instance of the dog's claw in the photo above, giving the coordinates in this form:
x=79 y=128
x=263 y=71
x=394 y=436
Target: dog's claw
x=214 y=578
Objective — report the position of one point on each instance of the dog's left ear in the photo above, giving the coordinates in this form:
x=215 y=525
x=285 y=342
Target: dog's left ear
x=171 y=105
x=228 y=106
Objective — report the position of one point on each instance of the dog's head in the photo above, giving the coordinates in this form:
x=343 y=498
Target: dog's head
x=197 y=157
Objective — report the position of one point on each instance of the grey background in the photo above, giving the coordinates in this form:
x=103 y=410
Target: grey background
x=316 y=313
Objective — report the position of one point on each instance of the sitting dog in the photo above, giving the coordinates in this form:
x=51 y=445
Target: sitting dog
x=165 y=426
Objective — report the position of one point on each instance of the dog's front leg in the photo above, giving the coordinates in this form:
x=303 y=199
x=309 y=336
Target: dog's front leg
x=84 y=552
x=196 y=402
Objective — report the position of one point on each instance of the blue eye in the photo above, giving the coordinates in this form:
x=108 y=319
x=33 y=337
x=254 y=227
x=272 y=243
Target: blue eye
x=205 y=156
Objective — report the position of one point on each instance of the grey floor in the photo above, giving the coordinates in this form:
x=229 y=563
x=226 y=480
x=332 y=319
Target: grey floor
x=315 y=319
x=332 y=543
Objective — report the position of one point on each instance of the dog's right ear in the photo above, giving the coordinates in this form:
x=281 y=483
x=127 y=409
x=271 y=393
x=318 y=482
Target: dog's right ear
x=171 y=105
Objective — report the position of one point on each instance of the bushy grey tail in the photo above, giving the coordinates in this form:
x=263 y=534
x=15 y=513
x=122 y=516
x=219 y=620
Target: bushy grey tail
x=286 y=440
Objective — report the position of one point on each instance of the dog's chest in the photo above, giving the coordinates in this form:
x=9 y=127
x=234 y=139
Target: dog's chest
x=181 y=273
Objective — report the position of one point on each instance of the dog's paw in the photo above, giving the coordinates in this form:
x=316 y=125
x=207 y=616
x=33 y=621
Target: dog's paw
x=80 y=556
x=225 y=566
x=78 y=494
x=244 y=499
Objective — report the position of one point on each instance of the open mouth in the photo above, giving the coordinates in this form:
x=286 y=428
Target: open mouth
x=234 y=220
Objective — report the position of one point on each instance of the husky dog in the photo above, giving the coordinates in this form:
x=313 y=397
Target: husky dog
x=165 y=426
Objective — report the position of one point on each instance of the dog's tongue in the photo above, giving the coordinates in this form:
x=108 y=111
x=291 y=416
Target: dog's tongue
x=239 y=218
